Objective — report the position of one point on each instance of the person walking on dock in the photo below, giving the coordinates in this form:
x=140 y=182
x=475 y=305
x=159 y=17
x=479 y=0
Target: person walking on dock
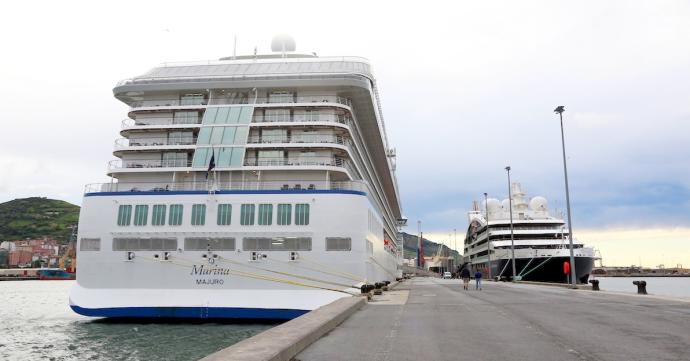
x=478 y=280
x=465 y=275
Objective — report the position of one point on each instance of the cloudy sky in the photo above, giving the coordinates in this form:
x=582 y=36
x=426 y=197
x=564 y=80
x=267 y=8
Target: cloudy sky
x=467 y=88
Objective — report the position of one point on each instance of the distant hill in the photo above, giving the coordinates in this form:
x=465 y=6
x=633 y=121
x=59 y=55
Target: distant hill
x=430 y=247
x=36 y=217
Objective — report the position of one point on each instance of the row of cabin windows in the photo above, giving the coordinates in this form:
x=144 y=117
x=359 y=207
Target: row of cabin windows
x=217 y=244
x=223 y=215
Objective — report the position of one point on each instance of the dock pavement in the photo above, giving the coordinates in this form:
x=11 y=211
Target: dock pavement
x=435 y=319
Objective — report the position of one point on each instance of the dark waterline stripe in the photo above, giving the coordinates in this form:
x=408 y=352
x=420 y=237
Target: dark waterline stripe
x=191 y=312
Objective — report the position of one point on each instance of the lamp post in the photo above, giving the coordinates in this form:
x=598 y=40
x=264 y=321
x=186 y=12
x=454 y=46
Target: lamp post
x=488 y=239
x=512 y=237
x=573 y=280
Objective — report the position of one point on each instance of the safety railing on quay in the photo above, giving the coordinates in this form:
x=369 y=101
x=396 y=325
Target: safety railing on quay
x=212 y=185
x=151 y=142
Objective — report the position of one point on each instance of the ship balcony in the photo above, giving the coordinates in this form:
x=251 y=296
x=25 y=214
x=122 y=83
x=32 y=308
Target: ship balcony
x=287 y=185
x=305 y=140
x=158 y=123
x=140 y=164
x=125 y=144
x=194 y=103
x=303 y=162
x=308 y=119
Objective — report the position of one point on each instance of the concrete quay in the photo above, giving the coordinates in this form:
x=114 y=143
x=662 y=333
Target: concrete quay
x=435 y=319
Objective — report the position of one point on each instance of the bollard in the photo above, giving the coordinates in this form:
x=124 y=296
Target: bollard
x=366 y=288
x=641 y=287
x=595 y=285
x=378 y=285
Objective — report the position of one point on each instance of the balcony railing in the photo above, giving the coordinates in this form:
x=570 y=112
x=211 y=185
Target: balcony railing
x=278 y=99
x=148 y=163
x=212 y=185
x=153 y=142
x=298 y=138
x=275 y=118
x=129 y=123
x=296 y=161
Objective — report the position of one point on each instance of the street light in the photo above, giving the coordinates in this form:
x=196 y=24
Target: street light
x=512 y=237
x=573 y=280
x=488 y=240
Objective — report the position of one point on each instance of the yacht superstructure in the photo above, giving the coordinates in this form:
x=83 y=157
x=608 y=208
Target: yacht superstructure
x=255 y=186
x=540 y=241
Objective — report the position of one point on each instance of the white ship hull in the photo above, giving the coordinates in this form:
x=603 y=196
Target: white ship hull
x=228 y=283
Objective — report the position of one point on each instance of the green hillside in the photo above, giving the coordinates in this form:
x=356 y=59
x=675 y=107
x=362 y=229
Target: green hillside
x=430 y=247
x=36 y=217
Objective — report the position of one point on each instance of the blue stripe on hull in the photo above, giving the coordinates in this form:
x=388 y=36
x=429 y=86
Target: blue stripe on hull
x=277 y=191
x=191 y=312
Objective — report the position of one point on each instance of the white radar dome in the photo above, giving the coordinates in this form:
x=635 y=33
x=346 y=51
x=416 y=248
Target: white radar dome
x=505 y=204
x=283 y=43
x=538 y=204
x=493 y=205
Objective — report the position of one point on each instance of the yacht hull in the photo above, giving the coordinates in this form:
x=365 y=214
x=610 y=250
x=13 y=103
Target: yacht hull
x=539 y=269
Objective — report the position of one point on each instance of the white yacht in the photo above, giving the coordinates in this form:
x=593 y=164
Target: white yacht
x=252 y=187
x=540 y=241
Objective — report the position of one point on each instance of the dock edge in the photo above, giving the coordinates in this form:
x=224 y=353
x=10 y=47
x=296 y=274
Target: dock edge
x=283 y=342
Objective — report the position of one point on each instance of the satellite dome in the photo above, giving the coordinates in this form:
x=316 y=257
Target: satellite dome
x=493 y=205
x=538 y=204
x=283 y=43
x=505 y=204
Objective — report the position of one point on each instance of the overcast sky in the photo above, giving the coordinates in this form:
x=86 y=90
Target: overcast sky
x=467 y=88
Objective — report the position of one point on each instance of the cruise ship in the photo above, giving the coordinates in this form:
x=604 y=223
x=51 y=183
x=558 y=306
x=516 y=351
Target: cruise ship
x=540 y=241
x=251 y=187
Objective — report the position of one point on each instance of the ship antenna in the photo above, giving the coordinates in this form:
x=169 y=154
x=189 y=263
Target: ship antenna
x=234 y=49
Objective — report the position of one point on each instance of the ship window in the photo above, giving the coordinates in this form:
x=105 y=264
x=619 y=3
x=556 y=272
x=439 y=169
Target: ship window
x=247 y=214
x=141 y=213
x=214 y=243
x=284 y=214
x=224 y=214
x=265 y=214
x=192 y=99
x=301 y=214
x=277 y=244
x=186 y=118
x=198 y=215
x=338 y=244
x=144 y=244
x=158 y=215
x=124 y=215
x=175 y=215
x=90 y=244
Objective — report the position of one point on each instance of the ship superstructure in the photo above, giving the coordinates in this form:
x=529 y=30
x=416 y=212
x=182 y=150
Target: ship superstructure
x=255 y=186
x=540 y=241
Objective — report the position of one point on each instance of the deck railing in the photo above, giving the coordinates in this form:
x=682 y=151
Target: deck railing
x=152 y=142
x=250 y=99
x=211 y=185
x=298 y=138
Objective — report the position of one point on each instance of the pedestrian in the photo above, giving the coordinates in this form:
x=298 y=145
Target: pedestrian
x=478 y=280
x=465 y=275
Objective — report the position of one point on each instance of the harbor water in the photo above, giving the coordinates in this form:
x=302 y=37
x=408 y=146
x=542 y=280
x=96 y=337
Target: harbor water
x=37 y=324
x=660 y=286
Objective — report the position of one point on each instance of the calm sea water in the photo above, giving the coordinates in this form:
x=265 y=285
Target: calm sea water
x=662 y=286
x=36 y=323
